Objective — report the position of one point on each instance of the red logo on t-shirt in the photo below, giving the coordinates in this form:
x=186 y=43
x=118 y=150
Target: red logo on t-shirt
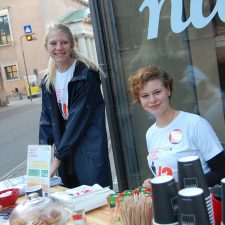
x=175 y=136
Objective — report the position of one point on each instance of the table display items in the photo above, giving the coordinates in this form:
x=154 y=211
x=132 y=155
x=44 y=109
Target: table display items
x=38 y=167
x=123 y=210
x=190 y=174
x=137 y=209
x=21 y=183
x=192 y=207
x=8 y=197
x=164 y=200
x=131 y=207
x=38 y=210
x=84 y=197
x=35 y=188
x=79 y=217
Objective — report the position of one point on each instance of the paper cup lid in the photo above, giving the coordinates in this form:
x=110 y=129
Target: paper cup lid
x=192 y=191
x=188 y=158
x=223 y=180
x=161 y=179
x=154 y=223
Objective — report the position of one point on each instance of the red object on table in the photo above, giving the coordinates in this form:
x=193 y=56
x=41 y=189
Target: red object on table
x=217 y=209
x=10 y=199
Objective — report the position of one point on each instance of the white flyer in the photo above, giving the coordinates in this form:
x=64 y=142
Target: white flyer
x=38 y=167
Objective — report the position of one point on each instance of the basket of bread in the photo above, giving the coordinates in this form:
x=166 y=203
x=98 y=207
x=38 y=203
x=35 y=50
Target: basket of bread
x=38 y=210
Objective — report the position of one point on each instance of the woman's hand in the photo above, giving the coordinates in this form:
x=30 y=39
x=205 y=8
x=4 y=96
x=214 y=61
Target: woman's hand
x=55 y=165
x=147 y=183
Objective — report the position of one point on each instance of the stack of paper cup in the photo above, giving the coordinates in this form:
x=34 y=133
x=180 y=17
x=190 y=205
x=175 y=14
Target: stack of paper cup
x=192 y=207
x=190 y=174
x=164 y=200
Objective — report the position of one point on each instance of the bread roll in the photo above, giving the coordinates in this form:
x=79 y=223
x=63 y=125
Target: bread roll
x=51 y=217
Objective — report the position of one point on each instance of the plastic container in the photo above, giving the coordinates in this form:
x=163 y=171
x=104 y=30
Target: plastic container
x=39 y=210
x=9 y=197
x=217 y=209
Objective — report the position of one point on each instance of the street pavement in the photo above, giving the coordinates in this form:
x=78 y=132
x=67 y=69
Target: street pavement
x=14 y=104
x=19 y=127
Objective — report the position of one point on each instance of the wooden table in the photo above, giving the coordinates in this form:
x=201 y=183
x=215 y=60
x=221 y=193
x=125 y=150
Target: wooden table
x=99 y=216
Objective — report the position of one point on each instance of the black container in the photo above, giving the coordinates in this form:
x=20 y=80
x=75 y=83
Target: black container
x=190 y=174
x=192 y=207
x=164 y=200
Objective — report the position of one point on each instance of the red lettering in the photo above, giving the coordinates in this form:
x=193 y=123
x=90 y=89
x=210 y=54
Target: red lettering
x=167 y=171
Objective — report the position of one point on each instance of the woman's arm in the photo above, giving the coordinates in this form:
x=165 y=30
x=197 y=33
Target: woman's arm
x=211 y=150
x=45 y=126
x=217 y=167
x=54 y=166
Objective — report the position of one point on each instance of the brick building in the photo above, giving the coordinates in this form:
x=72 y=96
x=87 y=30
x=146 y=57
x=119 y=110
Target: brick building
x=20 y=58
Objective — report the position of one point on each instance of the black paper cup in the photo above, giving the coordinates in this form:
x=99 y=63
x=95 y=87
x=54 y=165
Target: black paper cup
x=164 y=200
x=190 y=174
x=192 y=207
x=34 y=189
x=223 y=200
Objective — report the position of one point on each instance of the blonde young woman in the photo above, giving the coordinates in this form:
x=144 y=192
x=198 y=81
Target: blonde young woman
x=73 y=113
x=175 y=133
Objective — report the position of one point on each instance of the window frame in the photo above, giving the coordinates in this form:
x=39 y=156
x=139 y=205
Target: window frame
x=5 y=12
x=5 y=73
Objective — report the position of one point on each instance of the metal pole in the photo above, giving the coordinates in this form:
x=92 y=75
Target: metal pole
x=25 y=66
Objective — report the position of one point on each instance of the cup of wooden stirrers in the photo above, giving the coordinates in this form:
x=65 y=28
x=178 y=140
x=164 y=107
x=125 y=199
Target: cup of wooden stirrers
x=137 y=210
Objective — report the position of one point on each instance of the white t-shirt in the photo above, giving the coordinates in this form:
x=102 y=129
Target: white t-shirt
x=187 y=135
x=61 y=89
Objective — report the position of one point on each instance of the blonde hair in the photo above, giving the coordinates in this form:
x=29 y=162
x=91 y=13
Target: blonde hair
x=51 y=70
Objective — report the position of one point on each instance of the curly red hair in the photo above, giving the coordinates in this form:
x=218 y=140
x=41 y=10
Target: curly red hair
x=145 y=74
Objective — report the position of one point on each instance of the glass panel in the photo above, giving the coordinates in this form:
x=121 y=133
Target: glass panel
x=219 y=29
x=6 y=25
x=14 y=68
x=4 y=41
x=4 y=31
x=14 y=74
x=206 y=71
x=11 y=72
x=190 y=56
x=9 y=40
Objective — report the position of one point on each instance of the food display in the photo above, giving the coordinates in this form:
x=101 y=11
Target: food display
x=39 y=211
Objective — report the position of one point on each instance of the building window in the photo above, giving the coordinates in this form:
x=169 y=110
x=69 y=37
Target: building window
x=5 y=35
x=11 y=72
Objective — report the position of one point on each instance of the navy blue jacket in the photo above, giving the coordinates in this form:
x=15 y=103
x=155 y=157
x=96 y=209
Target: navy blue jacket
x=81 y=141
